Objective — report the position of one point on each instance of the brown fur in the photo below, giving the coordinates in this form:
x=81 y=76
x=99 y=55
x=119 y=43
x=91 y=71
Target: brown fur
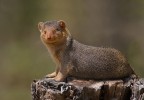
x=78 y=60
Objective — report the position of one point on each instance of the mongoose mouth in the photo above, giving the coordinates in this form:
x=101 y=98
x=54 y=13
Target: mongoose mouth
x=48 y=40
x=54 y=39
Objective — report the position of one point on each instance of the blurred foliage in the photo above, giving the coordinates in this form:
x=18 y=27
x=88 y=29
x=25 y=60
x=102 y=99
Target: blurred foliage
x=118 y=24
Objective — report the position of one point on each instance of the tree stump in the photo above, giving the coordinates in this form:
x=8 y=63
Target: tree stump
x=76 y=89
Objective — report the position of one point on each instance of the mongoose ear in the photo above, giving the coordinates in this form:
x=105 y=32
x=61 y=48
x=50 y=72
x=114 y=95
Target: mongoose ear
x=40 y=26
x=62 y=24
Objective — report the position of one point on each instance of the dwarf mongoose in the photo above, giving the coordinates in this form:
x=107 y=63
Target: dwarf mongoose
x=78 y=60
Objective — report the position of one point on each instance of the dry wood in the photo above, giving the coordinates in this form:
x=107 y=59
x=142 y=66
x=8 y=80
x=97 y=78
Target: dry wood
x=75 y=89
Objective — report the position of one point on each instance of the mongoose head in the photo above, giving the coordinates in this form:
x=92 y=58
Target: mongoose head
x=53 y=32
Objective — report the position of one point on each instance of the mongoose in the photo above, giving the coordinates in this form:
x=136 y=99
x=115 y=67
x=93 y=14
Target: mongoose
x=78 y=60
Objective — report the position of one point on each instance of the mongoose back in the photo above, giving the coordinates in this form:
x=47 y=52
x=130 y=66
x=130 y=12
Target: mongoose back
x=78 y=60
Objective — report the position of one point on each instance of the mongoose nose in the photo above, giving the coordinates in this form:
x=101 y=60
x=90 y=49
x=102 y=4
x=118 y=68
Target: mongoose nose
x=48 y=37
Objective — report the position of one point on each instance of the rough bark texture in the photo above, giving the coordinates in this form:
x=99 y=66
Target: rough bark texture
x=75 y=89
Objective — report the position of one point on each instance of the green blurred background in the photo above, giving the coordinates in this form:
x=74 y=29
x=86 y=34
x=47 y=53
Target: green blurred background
x=23 y=57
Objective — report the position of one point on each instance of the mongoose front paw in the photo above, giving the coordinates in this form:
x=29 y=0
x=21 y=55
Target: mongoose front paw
x=51 y=75
x=59 y=79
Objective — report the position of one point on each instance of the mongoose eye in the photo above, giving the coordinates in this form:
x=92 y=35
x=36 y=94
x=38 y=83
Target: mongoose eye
x=57 y=29
x=44 y=32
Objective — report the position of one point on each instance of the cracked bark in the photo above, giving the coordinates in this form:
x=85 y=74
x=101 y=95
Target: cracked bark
x=75 y=89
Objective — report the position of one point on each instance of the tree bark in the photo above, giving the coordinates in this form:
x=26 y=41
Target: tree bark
x=76 y=89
